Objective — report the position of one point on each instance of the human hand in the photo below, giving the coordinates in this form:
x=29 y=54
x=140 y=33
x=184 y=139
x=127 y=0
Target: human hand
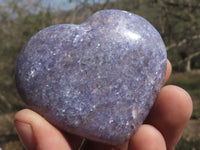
x=161 y=130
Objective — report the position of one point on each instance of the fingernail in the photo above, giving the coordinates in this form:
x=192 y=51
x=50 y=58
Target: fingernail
x=25 y=133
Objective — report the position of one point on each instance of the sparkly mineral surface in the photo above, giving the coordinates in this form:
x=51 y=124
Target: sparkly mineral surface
x=98 y=79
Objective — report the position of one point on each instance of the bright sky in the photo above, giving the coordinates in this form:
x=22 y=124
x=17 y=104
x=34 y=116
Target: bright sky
x=66 y=5
x=59 y=4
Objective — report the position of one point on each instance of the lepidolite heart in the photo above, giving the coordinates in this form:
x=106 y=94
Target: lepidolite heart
x=98 y=79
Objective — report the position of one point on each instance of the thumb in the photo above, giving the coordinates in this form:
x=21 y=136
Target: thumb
x=37 y=134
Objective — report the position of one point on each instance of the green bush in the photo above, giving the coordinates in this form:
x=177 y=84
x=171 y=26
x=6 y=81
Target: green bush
x=193 y=144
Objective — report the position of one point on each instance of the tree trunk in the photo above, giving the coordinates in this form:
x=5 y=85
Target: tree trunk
x=188 y=65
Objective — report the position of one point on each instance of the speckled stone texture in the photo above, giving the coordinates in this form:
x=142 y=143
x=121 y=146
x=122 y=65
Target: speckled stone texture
x=98 y=79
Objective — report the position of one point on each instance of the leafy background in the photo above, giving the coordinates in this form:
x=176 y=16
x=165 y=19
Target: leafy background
x=178 y=22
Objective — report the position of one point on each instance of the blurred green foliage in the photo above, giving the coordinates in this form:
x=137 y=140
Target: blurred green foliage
x=193 y=144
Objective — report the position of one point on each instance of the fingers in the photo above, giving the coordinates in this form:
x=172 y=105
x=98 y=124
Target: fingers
x=168 y=72
x=170 y=113
x=37 y=134
x=169 y=116
x=147 y=138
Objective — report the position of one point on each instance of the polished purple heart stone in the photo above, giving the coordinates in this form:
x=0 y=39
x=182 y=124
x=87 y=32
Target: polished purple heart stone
x=98 y=79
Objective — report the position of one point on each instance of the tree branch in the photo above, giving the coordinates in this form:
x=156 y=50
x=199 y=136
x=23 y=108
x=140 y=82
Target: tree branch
x=190 y=57
x=185 y=5
x=180 y=43
x=194 y=55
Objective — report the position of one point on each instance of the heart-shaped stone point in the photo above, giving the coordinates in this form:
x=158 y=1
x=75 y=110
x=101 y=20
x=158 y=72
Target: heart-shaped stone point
x=98 y=79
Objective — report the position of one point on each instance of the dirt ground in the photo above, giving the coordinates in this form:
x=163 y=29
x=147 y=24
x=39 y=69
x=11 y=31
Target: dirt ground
x=192 y=130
